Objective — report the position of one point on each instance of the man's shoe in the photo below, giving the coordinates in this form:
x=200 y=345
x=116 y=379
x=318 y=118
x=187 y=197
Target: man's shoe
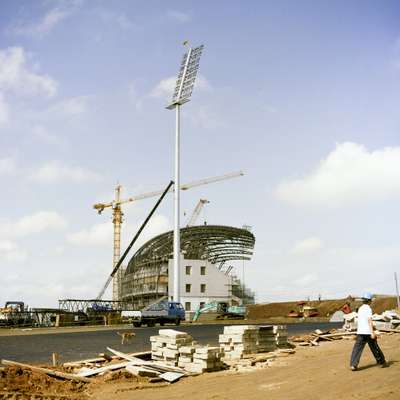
x=384 y=365
x=353 y=368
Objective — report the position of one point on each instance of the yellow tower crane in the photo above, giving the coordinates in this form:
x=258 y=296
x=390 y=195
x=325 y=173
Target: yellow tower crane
x=117 y=215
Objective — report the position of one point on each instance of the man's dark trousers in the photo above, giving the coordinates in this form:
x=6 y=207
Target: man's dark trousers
x=359 y=347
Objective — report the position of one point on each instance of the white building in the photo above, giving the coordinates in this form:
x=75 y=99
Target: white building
x=200 y=283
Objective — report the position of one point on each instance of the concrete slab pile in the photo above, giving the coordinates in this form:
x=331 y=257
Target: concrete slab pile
x=165 y=346
x=199 y=359
x=239 y=340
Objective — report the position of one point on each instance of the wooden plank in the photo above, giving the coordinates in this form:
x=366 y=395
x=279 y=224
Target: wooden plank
x=96 y=371
x=102 y=358
x=337 y=334
x=46 y=371
x=141 y=371
x=149 y=364
x=171 y=376
x=389 y=330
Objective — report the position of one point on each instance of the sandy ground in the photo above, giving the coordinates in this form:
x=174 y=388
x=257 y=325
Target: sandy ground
x=317 y=373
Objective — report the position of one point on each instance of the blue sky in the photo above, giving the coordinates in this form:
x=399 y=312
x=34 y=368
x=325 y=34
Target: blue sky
x=302 y=96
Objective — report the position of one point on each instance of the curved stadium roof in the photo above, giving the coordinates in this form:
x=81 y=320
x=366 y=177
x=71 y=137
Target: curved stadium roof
x=215 y=243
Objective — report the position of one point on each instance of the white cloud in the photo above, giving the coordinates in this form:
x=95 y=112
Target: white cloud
x=32 y=224
x=178 y=16
x=4 y=110
x=10 y=252
x=165 y=88
x=205 y=117
x=113 y=18
x=348 y=175
x=40 y=132
x=310 y=245
x=305 y=280
x=124 y=22
x=97 y=235
x=17 y=76
x=102 y=234
x=7 y=166
x=69 y=107
x=56 y=172
x=51 y=19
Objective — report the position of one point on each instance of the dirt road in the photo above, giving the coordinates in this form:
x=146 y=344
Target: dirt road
x=318 y=373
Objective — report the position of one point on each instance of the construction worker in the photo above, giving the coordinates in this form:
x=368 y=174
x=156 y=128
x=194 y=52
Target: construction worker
x=366 y=334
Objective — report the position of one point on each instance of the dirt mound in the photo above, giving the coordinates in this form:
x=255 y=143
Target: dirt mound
x=27 y=383
x=325 y=307
x=21 y=384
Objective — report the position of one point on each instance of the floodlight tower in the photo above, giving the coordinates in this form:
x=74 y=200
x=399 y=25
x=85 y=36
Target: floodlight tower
x=183 y=90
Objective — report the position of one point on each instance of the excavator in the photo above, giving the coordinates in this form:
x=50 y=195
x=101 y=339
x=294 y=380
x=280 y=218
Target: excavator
x=223 y=310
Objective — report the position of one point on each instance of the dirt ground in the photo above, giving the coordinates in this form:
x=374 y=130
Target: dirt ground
x=325 y=307
x=312 y=373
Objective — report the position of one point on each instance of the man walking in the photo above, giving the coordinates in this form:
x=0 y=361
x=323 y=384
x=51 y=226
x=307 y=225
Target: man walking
x=366 y=334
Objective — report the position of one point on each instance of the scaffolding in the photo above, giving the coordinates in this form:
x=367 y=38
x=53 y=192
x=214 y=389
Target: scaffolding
x=146 y=276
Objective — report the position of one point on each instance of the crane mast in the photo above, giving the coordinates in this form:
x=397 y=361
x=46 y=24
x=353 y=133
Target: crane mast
x=117 y=221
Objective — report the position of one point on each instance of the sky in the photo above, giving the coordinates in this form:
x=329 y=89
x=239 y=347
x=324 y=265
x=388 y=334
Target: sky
x=302 y=96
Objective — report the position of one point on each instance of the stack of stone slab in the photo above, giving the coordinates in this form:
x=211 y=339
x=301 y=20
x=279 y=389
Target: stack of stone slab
x=281 y=336
x=267 y=339
x=239 y=340
x=199 y=359
x=165 y=347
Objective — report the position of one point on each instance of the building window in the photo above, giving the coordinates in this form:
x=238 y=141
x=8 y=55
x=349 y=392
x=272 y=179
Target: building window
x=203 y=288
x=202 y=303
x=188 y=270
x=202 y=270
x=188 y=287
x=187 y=306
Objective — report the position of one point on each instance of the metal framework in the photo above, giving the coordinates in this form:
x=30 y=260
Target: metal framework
x=146 y=277
x=76 y=305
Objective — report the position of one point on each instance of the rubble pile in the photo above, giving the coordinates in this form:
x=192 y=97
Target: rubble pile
x=387 y=321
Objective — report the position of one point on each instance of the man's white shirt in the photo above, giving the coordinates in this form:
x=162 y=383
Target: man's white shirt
x=364 y=313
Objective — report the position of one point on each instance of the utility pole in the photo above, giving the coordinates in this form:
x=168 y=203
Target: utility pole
x=183 y=91
x=397 y=290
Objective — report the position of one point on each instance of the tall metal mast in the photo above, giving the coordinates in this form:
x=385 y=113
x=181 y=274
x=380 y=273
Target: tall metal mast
x=183 y=90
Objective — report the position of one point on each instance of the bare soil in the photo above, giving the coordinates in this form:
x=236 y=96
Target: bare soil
x=312 y=373
x=325 y=307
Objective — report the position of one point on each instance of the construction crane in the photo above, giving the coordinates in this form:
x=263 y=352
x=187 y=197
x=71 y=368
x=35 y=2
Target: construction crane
x=117 y=215
x=196 y=212
x=120 y=261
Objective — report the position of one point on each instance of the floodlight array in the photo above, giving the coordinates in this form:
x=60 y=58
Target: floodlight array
x=187 y=75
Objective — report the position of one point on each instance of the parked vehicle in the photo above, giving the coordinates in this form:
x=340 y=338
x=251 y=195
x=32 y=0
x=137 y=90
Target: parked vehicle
x=223 y=310
x=163 y=312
